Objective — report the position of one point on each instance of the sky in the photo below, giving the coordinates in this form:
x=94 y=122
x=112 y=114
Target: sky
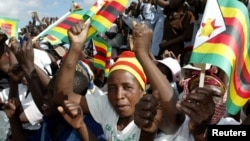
x=22 y=9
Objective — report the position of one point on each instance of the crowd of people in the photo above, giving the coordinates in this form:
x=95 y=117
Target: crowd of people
x=152 y=93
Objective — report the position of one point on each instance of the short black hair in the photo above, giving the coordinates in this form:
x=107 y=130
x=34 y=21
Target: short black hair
x=80 y=85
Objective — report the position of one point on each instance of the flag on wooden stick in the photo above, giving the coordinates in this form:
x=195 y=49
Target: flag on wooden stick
x=61 y=30
x=225 y=44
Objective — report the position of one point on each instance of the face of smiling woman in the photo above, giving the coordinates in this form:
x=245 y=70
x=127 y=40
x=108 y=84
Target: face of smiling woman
x=124 y=92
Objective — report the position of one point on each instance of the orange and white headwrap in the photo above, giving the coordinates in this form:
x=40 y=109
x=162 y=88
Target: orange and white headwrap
x=128 y=62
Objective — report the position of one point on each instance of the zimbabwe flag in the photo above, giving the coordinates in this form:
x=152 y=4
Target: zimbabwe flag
x=103 y=20
x=60 y=30
x=227 y=49
x=103 y=54
x=95 y=8
x=52 y=40
x=9 y=26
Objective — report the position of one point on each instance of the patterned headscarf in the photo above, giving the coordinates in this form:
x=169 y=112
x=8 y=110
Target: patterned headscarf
x=220 y=108
x=85 y=70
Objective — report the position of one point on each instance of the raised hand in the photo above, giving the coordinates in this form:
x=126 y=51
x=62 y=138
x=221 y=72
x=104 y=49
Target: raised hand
x=148 y=113
x=11 y=107
x=72 y=113
x=12 y=40
x=78 y=33
x=141 y=37
x=25 y=54
x=199 y=106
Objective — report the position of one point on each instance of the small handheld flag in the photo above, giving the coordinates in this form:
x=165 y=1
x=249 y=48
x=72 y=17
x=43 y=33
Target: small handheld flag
x=103 y=54
x=103 y=20
x=9 y=26
x=228 y=49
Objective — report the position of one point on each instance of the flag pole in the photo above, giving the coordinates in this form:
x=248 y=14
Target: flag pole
x=202 y=75
x=50 y=26
x=87 y=21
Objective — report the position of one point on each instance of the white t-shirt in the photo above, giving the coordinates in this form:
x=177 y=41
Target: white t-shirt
x=42 y=60
x=103 y=113
x=31 y=111
x=183 y=133
x=34 y=116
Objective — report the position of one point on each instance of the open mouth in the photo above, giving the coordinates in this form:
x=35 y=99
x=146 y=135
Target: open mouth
x=122 y=107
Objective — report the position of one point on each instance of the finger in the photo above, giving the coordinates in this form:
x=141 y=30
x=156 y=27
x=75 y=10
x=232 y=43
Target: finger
x=172 y=55
x=73 y=29
x=76 y=29
x=63 y=113
x=10 y=105
x=72 y=108
x=15 y=46
x=146 y=114
x=156 y=95
x=79 y=28
x=85 y=27
x=73 y=111
x=142 y=122
x=144 y=105
x=61 y=110
x=146 y=109
x=131 y=44
x=28 y=36
x=23 y=45
x=29 y=44
x=179 y=57
x=186 y=110
x=87 y=23
x=191 y=105
x=148 y=102
x=198 y=96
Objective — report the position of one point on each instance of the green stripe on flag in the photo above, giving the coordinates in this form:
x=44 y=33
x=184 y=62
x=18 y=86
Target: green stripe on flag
x=212 y=59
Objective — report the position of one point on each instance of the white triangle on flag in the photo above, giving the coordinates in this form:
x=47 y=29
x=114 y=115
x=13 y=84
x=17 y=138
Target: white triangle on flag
x=212 y=23
x=99 y=3
x=94 y=48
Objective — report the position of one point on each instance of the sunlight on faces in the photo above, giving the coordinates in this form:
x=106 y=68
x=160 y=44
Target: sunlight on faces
x=218 y=93
x=124 y=92
x=126 y=83
x=211 y=82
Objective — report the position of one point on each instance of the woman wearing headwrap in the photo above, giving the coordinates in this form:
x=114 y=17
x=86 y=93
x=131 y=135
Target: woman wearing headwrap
x=187 y=119
x=126 y=85
x=202 y=107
